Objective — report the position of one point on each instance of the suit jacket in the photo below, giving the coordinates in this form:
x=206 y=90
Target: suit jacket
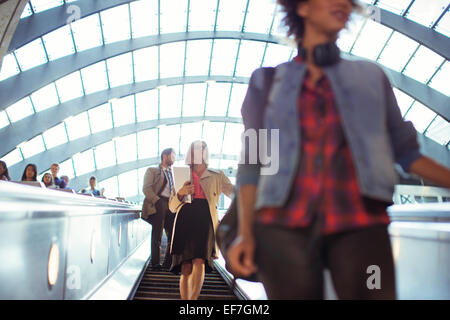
x=153 y=184
x=213 y=184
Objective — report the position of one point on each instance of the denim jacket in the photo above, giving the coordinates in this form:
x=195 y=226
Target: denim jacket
x=372 y=123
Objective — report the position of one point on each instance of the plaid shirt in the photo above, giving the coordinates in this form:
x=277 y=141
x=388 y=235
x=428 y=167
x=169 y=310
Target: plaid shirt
x=326 y=186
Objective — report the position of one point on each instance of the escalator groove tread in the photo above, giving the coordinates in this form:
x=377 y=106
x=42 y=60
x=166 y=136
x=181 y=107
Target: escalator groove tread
x=164 y=285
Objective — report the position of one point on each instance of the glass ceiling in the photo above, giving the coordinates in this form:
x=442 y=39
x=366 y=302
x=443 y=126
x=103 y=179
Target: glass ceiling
x=210 y=57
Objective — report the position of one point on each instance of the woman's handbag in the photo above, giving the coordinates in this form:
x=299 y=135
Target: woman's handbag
x=228 y=227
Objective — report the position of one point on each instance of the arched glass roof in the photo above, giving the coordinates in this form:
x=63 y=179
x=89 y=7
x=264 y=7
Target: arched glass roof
x=146 y=75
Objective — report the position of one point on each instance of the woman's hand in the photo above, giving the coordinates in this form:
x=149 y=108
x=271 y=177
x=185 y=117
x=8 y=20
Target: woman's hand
x=241 y=256
x=185 y=190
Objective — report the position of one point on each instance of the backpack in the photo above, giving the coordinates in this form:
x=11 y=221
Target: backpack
x=227 y=229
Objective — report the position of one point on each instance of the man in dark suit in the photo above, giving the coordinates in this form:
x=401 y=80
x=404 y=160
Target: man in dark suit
x=158 y=186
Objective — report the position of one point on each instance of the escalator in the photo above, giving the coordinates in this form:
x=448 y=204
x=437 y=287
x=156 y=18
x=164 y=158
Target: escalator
x=164 y=285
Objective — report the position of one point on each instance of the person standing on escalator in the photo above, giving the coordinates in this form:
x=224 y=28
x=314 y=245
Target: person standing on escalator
x=340 y=133
x=158 y=187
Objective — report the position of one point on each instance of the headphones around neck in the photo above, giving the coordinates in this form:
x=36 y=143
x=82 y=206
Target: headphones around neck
x=324 y=55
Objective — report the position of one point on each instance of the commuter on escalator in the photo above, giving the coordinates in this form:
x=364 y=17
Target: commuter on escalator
x=4 y=174
x=47 y=179
x=58 y=182
x=30 y=173
x=158 y=186
x=340 y=132
x=92 y=190
x=193 y=244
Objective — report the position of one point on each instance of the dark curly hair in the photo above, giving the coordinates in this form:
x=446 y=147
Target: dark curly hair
x=295 y=24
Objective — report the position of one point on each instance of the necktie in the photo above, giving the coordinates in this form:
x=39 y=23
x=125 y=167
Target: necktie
x=169 y=174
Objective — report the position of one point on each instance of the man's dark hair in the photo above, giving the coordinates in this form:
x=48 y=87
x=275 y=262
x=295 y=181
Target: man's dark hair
x=167 y=151
x=92 y=178
x=295 y=24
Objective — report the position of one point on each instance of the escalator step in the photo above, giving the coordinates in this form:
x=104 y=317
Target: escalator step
x=164 y=285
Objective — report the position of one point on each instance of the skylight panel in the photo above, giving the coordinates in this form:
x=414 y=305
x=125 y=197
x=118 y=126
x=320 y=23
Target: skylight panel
x=144 y=18
x=276 y=54
x=444 y=25
x=9 y=67
x=173 y=16
x=87 y=32
x=232 y=138
x=44 y=98
x=3 y=119
x=105 y=155
x=202 y=15
x=84 y=162
x=231 y=15
x=420 y=115
x=59 y=43
x=426 y=12
x=19 y=110
x=224 y=56
x=43 y=5
x=115 y=24
x=126 y=148
x=190 y=132
x=77 y=126
x=66 y=168
x=13 y=158
x=397 y=7
x=146 y=64
x=128 y=186
x=26 y=11
x=123 y=111
x=217 y=99
x=170 y=102
x=70 y=87
x=172 y=59
x=423 y=65
x=249 y=58
x=169 y=137
x=259 y=16
x=398 y=51
x=147 y=105
x=371 y=40
x=348 y=35
x=111 y=186
x=147 y=143
x=120 y=70
x=32 y=147
x=100 y=118
x=94 y=78
x=278 y=28
x=198 y=53
x=238 y=93
x=212 y=135
x=439 y=130
x=404 y=101
x=194 y=99
x=55 y=136
x=441 y=81
x=31 y=55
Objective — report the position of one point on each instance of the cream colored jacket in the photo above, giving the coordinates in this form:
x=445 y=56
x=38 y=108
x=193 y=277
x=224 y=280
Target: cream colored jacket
x=213 y=183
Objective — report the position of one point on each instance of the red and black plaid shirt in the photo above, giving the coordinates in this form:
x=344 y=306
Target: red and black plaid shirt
x=326 y=186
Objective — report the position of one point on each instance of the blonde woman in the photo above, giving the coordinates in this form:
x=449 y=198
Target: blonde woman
x=193 y=240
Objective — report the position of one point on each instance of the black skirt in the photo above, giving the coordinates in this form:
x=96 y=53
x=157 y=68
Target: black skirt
x=193 y=236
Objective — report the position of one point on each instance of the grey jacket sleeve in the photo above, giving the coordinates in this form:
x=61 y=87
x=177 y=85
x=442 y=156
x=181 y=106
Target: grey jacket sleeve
x=253 y=119
x=402 y=133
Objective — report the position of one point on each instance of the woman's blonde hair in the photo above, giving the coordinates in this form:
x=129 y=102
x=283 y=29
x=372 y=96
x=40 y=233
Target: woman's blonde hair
x=197 y=153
